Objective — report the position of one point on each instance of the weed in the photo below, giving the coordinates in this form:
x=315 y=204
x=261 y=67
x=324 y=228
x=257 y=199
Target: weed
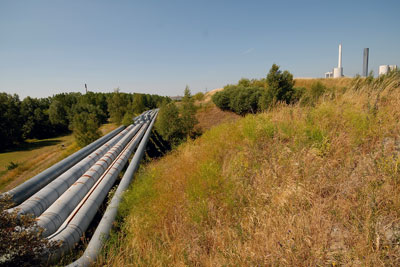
x=12 y=165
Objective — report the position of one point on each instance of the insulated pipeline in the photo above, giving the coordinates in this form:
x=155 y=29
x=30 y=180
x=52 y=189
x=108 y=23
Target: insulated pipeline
x=41 y=200
x=56 y=214
x=103 y=229
x=30 y=187
x=76 y=224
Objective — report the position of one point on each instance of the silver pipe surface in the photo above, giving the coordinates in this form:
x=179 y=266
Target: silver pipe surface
x=42 y=199
x=34 y=184
x=74 y=227
x=103 y=229
x=56 y=214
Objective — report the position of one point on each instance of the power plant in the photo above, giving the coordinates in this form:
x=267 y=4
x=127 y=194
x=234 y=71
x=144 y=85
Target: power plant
x=338 y=72
x=385 y=69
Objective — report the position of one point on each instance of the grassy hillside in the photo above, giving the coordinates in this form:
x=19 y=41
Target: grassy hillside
x=297 y=186
x=335 y=83
x=35 y=156
x=208 y=115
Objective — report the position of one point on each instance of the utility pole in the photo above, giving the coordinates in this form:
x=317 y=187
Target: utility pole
x=86 y=87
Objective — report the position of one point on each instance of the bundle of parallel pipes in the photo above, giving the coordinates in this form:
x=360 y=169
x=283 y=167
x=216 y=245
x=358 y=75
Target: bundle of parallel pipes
x=65 y=197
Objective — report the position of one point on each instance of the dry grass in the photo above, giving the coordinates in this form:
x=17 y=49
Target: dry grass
x=208 y=116
x=314 y=186
x=33 y=160
x=330 y=83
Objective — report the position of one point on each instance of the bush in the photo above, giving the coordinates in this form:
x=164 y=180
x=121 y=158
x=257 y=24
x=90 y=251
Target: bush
x=21 y=243
x=12 y=165
x=199 y=96
x=311 y=96
x=251 y=96
x=176 y=124
x=169 y=124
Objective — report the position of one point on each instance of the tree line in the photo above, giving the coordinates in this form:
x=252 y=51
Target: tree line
x=62 y=113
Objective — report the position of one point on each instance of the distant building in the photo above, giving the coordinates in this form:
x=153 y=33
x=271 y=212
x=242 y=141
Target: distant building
x=337 y=72
x=384 y=69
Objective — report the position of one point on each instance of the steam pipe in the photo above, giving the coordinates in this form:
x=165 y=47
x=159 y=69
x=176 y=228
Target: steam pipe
x=41 y=200
x=77 y=223
x=56 y=214
x=103 y=229
x=30 y=187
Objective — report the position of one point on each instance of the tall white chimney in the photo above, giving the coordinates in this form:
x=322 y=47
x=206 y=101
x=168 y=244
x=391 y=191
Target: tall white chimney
x=338 y=72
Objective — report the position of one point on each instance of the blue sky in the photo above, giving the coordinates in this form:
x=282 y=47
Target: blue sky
x=53 y=46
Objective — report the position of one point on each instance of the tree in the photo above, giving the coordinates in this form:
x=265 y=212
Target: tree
x=169 y=124
x=36 y=119
x=58 y=115
x=138 y=103
x=188 y=113
x=85 y=124
x=10 y=120
x=117 y=106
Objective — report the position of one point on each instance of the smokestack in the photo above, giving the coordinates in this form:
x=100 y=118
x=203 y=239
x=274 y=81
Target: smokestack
x=365 y=62
x=338 y=72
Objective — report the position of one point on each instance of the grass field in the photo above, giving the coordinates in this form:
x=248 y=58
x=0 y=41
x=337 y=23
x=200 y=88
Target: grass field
x=296 y=186
x=331 y=82
x=35 y=156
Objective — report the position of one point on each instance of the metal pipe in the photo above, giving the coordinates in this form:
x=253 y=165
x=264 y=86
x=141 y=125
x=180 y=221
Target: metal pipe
x=31 y=186
x=76 y=224
x=56 y=214
x=103 y=229
x=41 y=200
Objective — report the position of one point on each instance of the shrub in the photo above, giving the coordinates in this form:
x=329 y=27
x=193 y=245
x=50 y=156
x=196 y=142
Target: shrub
x=199 y=96
x=251 y=96
x=169 y=124
x=21 y=243
x=12 y=165
x=311 y=96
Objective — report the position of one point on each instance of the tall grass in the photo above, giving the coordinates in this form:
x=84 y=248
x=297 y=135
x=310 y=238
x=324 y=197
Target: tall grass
x=297 y=186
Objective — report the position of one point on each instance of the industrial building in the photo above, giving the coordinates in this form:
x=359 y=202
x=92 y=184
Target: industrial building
x=385 y=69
x=337 y=72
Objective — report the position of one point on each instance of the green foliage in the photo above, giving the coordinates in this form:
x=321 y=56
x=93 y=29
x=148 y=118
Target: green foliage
x=176 y=124
x=37 y=123
x=311 y=96
x=188 y=113
x=21 y=243
x=128 y=118
x=10 y=120
x=117 y=105
x=85 y=125
x=169 y=124
x=47 y=117
x=139 y=103
x=251 y=96
x=199 y=96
